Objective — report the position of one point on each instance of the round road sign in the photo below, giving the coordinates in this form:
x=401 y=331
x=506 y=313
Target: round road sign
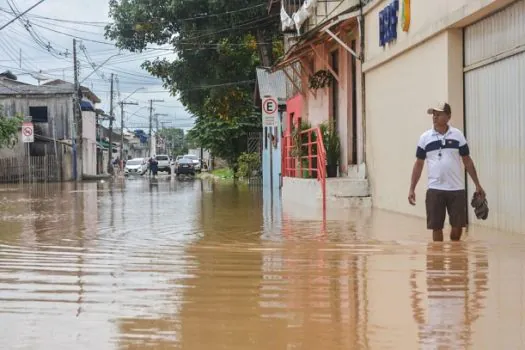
x=28 y=131
x=270 y=105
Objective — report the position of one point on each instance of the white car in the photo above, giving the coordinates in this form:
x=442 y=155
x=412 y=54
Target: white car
x=136 y=166
x=163 y=163
x=196 y=161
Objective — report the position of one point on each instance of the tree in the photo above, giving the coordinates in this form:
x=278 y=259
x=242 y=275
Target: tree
x=218 y=45
x=226 y=139
x=174 y=138
x=9 y=127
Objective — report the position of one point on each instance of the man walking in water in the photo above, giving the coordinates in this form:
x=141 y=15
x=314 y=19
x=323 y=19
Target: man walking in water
x=443 y=147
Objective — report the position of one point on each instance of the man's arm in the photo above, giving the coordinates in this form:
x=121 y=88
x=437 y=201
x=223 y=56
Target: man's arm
x=416 y=175
x=464 y=152
x=471 y=170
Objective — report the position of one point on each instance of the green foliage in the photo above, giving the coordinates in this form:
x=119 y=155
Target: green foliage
x=218 y=45
x=224 y=173
x=299 y=150
x=332 y=143
x=226 y=139
x=248 y=164
x=9 y=127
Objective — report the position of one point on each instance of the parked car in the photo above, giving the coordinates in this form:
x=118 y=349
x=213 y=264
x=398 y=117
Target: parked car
x=136 y=166
x=163 y=163
x=196 y=161
x=177 y=161
x=185 y=167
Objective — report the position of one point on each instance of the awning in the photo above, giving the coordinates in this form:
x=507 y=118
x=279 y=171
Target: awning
x=315 y=36
x=270 y=84
x=103 y=144
x=100 y=145
x=86 y=106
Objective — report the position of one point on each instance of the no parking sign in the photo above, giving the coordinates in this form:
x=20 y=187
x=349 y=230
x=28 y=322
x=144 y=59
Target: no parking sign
x=28 y=135
x=270 y=111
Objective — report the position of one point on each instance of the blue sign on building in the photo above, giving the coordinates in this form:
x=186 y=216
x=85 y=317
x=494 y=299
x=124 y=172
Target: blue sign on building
x=388 y=23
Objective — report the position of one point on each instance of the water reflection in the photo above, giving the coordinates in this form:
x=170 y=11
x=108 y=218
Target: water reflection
x=456 y=284
x=205 y=265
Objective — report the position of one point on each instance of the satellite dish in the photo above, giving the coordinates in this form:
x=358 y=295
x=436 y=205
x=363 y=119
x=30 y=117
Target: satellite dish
x=39 y=77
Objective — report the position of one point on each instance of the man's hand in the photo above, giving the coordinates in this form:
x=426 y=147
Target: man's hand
x=412 y=197
x=481 y=192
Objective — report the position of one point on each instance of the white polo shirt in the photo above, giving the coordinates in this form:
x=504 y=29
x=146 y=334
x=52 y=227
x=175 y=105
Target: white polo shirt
x=443 y=157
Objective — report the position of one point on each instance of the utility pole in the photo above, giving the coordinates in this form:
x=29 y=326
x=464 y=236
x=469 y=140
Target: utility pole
x=166 y=141
x=157 y=127
x=78 y=163
x=122 y=103
x=151 y=123
x=110 y=166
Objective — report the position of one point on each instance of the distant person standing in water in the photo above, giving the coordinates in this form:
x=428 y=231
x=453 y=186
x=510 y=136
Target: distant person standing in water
x=154 y=165
x=444 y=147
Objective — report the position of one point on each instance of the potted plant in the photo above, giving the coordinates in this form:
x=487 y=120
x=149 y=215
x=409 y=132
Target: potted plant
x=332 y=145
x=320 y=79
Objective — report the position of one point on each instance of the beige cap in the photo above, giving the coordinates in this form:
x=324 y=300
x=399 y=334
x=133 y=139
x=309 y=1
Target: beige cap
x=440 y=107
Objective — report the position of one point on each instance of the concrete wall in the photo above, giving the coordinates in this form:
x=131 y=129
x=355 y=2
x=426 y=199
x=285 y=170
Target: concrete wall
x=428 y=18
x=398 y=94
x=90 y=146
x=402 y=80
x=89 y=157
x=89 y=125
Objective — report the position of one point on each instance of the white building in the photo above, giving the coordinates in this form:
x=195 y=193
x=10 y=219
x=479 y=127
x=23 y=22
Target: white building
x=469 y=53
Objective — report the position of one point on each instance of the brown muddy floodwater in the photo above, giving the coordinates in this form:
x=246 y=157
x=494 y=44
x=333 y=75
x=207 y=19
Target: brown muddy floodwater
x=200 y=266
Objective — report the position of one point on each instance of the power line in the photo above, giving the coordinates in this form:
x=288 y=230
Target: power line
x=21 y=14
x=94 y=23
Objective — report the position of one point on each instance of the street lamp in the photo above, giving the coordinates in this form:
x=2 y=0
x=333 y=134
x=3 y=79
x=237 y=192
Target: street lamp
x=122 y=103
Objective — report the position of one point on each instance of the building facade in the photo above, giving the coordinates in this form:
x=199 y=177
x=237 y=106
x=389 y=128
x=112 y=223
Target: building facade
x=322 y=63
x=469 y=53
x=50 y=108
x=326 y=41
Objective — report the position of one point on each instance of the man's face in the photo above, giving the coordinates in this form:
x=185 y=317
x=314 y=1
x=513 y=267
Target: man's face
x=440 y=118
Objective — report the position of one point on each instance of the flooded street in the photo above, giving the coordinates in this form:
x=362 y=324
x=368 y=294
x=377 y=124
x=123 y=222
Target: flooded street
x=200 y=265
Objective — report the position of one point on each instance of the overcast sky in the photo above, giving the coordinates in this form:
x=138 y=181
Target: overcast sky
x=54 y=23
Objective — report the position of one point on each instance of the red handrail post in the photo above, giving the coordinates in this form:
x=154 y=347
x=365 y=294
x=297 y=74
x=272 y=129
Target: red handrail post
x=309 y=153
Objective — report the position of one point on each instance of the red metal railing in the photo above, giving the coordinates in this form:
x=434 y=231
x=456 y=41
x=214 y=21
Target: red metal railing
x=312 y=152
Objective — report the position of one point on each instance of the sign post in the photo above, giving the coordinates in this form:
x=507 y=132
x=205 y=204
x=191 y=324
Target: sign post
x=270 y=120
x=28 y=137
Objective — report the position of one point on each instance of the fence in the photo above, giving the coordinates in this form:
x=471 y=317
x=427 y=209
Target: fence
x=304 y=155
x=25 y=169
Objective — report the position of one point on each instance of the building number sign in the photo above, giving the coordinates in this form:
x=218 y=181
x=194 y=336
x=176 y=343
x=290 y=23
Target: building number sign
x=388 y=19
x=388 y=23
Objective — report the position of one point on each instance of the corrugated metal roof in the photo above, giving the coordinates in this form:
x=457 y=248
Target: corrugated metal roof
x=272 y=84
x=13 y=87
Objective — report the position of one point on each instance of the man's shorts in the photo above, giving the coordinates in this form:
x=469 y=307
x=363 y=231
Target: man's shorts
x=438 y=202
